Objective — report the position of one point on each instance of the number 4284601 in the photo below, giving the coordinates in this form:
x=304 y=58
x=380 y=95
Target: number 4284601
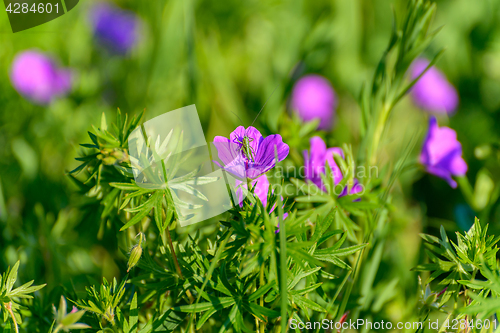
x=23 y=8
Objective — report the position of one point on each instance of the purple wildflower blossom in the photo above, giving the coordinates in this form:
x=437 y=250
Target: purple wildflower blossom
x=315 y=165
x=114 y=28
x=232 y=154
x=442 y=153
x=432 y=92
x=313 y=97
x=38 y=78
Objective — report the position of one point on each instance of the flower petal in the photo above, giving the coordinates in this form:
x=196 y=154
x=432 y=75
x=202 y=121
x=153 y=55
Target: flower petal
x=227 y=151
x=442 y=153
x=265 y=158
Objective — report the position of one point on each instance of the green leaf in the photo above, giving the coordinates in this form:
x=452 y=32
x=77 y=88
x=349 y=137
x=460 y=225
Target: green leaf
x=134 y=314
x=11 y=277
x=308 y=127
x=222 y=302
x=145 y=209
x=72 y=318
x=261 y=291
x=78 y=326
x=260 y=311
x=306 y=290
x=205 y=317
x=170 y=320
x=305 y=303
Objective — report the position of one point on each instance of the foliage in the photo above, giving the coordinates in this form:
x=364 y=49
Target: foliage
x=251 y=269
x=9 y=296
x=67 y=321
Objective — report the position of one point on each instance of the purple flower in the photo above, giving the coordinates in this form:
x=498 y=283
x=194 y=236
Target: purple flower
x=38 y=78
x=432 y=92
x=442 y=153
x=314 y=164
x=254 y=161
x=313 y=97
x=116 y=29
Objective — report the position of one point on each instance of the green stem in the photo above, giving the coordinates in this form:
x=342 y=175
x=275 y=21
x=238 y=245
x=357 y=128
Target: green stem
x=467 y=297
x=9 y=308
x=170 y=202
x=58 y=327
x=377 y=134
x=262 y=282
x=172 y=250
x=283 y=264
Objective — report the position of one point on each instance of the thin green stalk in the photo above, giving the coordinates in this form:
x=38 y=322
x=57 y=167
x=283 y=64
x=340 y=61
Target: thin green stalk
x=170 y=202
x=9 y=308
x=257 y=329
x=283 y=268
x=262 y=283
x=172 y=250
x=377 y=134
x=283 y=259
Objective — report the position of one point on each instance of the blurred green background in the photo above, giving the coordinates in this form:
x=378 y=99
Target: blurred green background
x=225 y=57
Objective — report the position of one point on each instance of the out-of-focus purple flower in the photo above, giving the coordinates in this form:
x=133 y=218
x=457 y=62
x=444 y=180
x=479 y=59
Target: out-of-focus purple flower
x=313 y=97
x=432 y=92
x=116 y=29
x=314 y=165
x=37 y=77
x=262 y=159
x=442 y=153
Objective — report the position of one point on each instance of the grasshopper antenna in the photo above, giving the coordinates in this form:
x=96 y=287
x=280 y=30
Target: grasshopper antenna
x=258 y=114
x=239 y=119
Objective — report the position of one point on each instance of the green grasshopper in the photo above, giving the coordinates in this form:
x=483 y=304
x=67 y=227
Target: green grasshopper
x=245 y=147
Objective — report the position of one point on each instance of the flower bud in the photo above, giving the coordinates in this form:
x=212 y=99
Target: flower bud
x=136 y=253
